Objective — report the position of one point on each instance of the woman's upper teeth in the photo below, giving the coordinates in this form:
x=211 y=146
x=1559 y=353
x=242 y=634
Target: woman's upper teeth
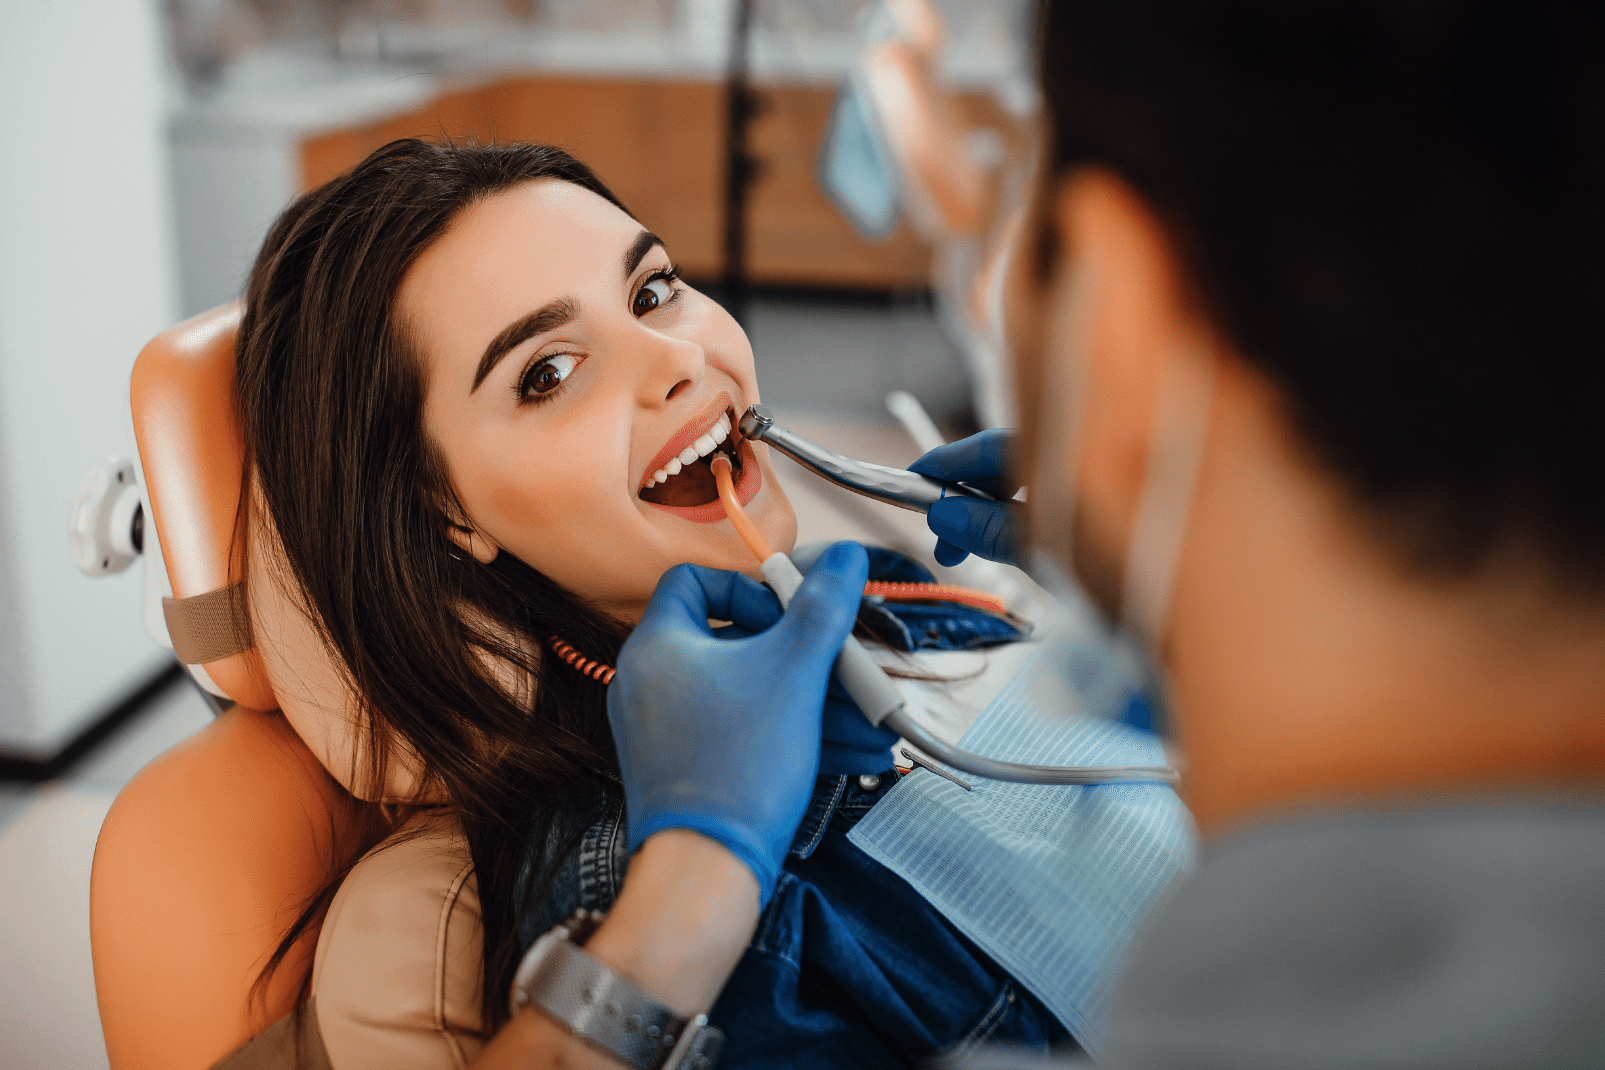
x=703 y=446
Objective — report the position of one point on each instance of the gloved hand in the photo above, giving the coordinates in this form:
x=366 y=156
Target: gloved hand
x=848 y=742
x=721 y=735
x=970 y=525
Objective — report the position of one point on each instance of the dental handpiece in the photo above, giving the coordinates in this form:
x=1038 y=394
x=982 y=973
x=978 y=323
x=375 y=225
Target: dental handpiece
x=894 y=486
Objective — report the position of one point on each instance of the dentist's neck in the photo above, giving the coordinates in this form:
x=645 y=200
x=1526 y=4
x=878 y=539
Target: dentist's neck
x=1311 y=668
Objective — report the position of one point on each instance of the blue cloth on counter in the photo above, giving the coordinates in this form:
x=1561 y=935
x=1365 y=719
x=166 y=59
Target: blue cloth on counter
x=1050 y=881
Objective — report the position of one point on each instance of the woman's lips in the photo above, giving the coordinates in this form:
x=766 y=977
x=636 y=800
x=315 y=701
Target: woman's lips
x=747 y=488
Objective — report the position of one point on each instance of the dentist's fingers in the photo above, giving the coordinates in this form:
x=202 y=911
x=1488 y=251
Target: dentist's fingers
x=947 y=554
x=750 y=608
x=685 y=591
x=970 y=525
x=822 y=612
x=684 y=598
x=980 y=460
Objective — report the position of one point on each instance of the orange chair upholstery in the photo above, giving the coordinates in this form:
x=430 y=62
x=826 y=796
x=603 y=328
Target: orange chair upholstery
x=192 y=451
x=210 y=852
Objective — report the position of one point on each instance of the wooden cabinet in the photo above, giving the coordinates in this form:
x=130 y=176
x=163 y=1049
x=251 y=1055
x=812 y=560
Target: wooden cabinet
x=659 y=144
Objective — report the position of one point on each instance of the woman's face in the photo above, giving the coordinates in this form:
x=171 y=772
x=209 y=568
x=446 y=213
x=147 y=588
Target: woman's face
x=565 y=368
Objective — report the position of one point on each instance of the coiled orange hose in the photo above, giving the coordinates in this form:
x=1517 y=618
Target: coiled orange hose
x=934 y=592
x=596 y=670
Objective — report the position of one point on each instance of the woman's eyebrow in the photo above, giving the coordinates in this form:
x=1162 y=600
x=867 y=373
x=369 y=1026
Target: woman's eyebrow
x=548 y=317
x=643 y=244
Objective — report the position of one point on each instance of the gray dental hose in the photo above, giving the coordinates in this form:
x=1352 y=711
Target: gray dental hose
x=869 y=685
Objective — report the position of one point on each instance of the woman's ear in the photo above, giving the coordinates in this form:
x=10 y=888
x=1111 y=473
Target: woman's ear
x=478 y=545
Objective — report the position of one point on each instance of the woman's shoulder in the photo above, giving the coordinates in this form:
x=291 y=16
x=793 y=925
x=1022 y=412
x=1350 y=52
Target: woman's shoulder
x=398 y=975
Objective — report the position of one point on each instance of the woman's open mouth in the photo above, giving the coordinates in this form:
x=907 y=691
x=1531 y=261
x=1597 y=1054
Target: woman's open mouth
x=683 y=482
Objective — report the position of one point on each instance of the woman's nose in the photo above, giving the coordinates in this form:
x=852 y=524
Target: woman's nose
x=673 y=366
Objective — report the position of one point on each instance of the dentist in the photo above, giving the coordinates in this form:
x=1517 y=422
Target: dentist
x=1310 y=354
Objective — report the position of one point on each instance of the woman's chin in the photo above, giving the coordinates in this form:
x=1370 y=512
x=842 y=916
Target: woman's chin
x=730 y=558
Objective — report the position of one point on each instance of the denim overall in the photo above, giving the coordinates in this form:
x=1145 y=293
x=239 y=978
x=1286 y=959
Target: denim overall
x=849 y=966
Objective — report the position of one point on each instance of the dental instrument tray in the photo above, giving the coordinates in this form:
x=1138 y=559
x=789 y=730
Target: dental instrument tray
x=894 y=486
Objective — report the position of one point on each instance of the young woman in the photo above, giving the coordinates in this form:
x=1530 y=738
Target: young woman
x=478 y=401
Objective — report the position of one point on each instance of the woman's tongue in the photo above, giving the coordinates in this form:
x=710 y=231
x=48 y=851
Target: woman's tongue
x=693 y=485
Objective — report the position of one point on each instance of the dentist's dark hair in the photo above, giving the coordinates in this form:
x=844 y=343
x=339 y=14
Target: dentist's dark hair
x=1395 y=209
x=331 y=389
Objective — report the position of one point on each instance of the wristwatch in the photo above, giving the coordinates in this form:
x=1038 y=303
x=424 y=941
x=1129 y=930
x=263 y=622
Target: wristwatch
x=605 y=1008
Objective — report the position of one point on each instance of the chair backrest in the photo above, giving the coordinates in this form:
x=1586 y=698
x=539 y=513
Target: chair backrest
x=210 y=852
x=258 y=646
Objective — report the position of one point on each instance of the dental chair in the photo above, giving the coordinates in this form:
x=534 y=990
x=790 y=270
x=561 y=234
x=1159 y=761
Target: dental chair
x=211 y=852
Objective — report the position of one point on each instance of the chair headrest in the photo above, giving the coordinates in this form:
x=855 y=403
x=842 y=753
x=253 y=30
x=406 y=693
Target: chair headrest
x=192 y=452
x=191 y=443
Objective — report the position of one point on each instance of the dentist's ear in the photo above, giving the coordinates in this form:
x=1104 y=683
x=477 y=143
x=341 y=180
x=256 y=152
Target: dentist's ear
x=476 y=543
x=1121 y=312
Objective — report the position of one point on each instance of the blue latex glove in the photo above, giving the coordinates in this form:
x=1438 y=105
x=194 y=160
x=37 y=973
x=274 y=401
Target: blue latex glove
x=721 y=735
x=848 y=742
x=970 y=525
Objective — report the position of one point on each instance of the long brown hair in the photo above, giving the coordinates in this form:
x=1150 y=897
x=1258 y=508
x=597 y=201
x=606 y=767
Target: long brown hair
x=332 y=393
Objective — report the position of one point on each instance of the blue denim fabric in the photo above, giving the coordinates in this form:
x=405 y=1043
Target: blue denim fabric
x=850 y=967
x=589 y=875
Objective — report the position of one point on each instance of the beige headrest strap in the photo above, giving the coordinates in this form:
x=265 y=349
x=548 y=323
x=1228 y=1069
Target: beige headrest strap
x=209 y=627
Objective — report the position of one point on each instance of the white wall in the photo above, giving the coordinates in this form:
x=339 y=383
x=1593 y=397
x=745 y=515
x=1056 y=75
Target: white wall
x=86 y=277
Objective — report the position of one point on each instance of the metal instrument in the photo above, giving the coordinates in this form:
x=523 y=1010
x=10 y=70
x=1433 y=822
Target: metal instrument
x=894 y=486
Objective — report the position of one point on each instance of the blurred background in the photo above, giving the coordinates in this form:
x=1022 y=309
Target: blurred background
x=145 y=147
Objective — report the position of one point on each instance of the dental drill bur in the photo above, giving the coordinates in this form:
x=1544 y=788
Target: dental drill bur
x=894 y=486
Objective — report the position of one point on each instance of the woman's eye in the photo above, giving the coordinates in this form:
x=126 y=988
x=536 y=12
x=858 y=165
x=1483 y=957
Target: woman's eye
x=654 y=294
x=548 y=375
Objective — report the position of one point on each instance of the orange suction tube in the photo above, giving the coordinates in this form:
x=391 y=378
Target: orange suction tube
x=738 y=516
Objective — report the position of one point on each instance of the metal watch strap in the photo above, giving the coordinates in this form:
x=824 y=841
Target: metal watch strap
x=607 y=1009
